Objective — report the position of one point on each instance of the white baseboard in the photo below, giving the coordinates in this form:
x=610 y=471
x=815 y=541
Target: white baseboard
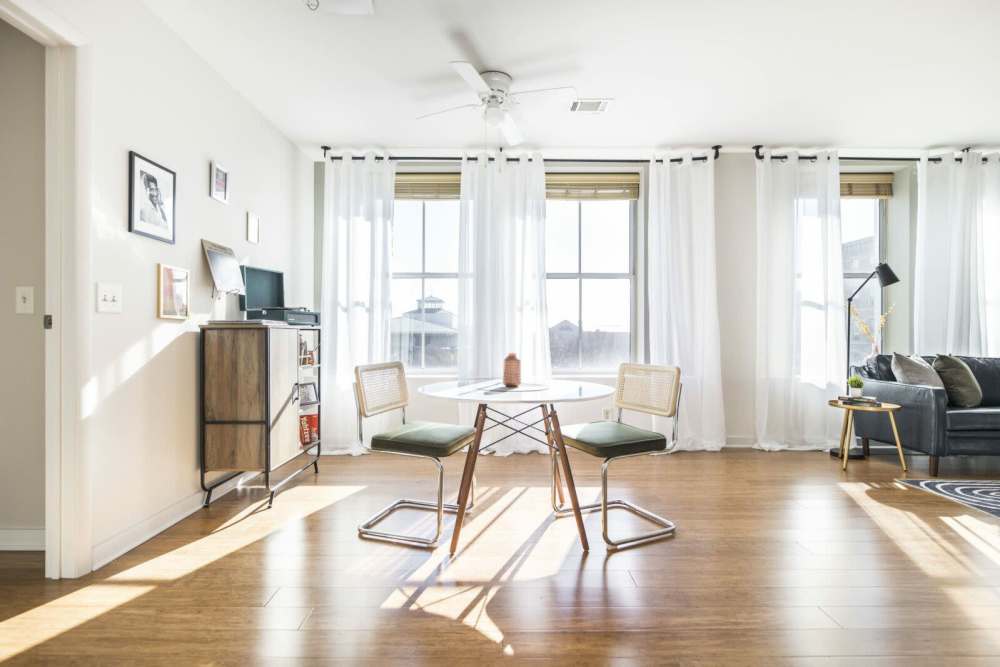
x=128 y=539
x=22 y=539
x=736 y=441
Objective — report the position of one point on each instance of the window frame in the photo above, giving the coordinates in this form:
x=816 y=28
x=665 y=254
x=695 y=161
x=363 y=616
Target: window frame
x=580 y=276
x=423 y=276
x=883 y=211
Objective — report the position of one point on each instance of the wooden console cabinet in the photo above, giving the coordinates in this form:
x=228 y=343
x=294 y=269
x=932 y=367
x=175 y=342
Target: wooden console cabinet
x=251 y=408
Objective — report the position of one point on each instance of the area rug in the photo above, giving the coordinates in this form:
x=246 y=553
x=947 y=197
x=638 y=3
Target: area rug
x=982 y=495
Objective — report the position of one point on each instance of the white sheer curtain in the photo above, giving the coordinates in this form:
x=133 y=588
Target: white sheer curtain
x=683 y=306
x=800 y=361
x=956 y=296
x=357 y=242
x=501 y=292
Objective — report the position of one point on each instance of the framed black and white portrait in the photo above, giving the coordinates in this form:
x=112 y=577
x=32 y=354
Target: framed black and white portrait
x=218 y=185
x=152 y=190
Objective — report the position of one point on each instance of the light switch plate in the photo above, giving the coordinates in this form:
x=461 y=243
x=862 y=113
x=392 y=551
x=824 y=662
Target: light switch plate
x=109 y=297
x=24 y=300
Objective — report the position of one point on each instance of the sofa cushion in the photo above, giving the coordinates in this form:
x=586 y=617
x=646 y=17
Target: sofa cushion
x=987 y=372
x=973 y=419
x=961 y=385
x=914 y=370
x=879 y=367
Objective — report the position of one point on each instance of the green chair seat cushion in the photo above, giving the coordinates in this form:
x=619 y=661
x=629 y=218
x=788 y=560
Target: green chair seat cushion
x=424 y=439
x=609 y=439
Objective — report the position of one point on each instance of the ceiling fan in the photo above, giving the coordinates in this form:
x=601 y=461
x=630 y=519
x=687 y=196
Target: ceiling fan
x=496 y=99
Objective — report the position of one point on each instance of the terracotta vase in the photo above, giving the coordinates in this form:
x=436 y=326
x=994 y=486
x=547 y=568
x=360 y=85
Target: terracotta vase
x=511 y=370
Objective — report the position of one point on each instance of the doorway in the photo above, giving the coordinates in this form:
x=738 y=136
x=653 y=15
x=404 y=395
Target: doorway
x=22 y=277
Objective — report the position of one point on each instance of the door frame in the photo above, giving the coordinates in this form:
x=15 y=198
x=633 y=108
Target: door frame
x=67 y=280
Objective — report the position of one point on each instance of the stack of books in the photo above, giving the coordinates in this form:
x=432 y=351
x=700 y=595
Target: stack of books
x=869 y=401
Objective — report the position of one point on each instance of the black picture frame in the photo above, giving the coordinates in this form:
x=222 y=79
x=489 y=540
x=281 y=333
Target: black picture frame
x=166 y=209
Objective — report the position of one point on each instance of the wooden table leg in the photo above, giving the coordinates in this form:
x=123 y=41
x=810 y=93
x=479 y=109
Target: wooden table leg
x=849 y=438
x=556 y=477
x=899 y=446
x=467 y=476
x=568 y=474
x=843 y=433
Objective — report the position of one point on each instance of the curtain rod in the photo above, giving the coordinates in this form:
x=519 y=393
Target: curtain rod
x=812 y=158
x=401 y=158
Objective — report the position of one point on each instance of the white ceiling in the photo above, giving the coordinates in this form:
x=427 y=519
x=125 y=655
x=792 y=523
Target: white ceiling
x=914 y=74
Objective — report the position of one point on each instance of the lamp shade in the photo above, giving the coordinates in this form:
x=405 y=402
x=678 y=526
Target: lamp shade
x=885 y=275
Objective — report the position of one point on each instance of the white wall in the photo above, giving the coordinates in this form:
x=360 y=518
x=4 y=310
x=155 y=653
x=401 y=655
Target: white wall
x=153 y=95
x=736 y=256
x=22 y=262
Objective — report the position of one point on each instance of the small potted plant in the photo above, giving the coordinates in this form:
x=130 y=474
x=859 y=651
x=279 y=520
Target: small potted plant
x=855 y=385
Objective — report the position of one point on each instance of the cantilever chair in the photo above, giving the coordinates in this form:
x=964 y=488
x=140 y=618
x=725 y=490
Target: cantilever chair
x=380 y=388
x=655 y=390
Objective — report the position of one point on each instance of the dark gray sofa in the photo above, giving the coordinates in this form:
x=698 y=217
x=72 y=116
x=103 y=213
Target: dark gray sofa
x=927 y=423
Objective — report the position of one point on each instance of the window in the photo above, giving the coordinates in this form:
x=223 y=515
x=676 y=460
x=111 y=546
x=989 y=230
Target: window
x=861 y=220
x=590 y=282
x=424 y=327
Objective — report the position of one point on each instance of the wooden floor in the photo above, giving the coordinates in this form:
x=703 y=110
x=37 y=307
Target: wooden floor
x=779 y=558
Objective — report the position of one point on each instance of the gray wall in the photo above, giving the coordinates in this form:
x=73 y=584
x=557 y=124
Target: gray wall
x=22 y=255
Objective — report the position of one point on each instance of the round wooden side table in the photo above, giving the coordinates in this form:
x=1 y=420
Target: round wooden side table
x=847 y=430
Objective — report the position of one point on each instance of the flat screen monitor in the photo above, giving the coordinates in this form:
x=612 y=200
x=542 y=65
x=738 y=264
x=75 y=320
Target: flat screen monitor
x=265 y=289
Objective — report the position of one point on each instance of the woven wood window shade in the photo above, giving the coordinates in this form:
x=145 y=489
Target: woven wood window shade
x=427 y=185
x=557 y=186
x=866 y=185
x=592 y=186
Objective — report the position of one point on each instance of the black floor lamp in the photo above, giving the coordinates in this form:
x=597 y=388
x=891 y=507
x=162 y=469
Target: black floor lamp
x=886 y=277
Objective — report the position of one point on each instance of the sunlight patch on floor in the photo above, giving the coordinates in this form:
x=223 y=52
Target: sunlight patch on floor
x=47 y=621
x=984 y=537
x=936 y=557
x=515 y=538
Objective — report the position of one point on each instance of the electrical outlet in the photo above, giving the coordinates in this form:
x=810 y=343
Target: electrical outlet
x=109 y=297
x=24 y=300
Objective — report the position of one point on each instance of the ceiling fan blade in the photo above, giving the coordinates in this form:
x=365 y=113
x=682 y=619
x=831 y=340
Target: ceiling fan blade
x=543 y=90
x=508 y=128
x=468 y=72
x=438 y=113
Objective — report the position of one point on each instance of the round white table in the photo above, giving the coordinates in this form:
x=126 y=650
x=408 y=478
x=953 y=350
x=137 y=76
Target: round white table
x=540 y=396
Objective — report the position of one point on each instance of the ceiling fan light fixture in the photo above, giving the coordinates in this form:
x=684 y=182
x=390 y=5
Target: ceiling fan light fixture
x=494 y=116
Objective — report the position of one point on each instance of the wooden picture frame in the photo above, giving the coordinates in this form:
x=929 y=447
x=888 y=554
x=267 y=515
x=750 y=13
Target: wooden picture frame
x=152 y=199
x=173 y=292
x=218 y=182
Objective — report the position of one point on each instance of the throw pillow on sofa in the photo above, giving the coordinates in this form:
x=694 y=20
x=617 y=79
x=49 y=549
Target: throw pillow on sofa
x=914 y=370
x=962 y=387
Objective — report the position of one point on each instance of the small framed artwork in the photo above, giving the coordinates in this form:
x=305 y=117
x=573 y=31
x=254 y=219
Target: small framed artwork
x=218 y=185
x=152 y=190
x=173 y=288
x=253 y=228
x=308 y=393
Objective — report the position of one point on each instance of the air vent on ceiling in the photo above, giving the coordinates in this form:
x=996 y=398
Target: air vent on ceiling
x=342 y=7
x=590 y=105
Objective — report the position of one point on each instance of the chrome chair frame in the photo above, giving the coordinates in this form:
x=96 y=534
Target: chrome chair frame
x=668 y=527
x=367 y=529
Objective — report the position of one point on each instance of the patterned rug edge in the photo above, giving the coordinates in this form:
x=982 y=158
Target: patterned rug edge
x=977 y=494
